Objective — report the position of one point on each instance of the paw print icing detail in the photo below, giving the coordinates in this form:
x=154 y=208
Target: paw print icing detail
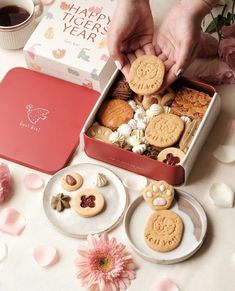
x=159 y=195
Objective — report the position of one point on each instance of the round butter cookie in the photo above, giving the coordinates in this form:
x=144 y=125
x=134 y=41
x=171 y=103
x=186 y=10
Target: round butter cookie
x=163 y=231
x=72 y=182
x=146 y=75
x=114 y=113
x=88 y=202
x=164 y=130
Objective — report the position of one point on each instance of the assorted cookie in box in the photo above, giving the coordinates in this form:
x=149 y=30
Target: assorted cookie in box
x=158 y=126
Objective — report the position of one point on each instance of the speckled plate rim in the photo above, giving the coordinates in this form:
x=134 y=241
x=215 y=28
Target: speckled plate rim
x=70 y=168
x=193 y=202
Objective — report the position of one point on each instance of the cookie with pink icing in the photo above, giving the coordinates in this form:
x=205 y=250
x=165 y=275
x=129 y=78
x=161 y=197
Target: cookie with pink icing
x=159 y=195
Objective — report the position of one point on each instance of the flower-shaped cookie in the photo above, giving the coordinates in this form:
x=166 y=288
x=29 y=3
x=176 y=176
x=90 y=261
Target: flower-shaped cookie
x=159 y=195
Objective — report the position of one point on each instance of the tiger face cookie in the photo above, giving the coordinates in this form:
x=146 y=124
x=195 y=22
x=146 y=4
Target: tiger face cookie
x=88 y=202
x=72 y=182
x=146 y=75
x=164 y=130
x=114 y=113
x=163 y=231
x=159 y=195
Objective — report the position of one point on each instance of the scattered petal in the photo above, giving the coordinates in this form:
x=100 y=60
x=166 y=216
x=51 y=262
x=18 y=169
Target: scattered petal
x=135 y=183
x=33 y=181
x=45 y=255
x=5 y=186
x=165 y=285
x=222 y=195
x=11 y=221
x=225 y=154
x=3 y=251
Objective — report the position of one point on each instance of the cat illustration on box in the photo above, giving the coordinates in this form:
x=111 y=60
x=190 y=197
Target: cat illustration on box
x=59 y=53
x=34 y=115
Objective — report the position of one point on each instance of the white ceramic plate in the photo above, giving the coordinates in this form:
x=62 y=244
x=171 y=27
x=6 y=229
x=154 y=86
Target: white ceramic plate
x=68 y=221
x=195 y=226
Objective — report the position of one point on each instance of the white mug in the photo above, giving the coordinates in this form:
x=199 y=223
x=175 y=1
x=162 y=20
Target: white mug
x=15 y=37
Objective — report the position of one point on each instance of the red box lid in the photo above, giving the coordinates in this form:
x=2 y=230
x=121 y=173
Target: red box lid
x=41 y=118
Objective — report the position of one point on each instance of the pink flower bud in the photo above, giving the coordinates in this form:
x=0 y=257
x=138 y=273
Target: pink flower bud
x=208 y=46
x=227 y=51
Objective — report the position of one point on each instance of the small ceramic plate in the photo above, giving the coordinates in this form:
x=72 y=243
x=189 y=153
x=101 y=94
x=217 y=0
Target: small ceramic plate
x=195 y=226
x=68 y=221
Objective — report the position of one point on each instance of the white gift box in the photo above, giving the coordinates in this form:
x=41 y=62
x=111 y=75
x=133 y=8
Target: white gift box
x=70 y=43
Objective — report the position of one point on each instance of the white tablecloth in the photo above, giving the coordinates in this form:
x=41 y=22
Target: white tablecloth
x=210 y=269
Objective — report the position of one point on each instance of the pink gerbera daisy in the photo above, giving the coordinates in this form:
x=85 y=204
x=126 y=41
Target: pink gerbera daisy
x=104 y=265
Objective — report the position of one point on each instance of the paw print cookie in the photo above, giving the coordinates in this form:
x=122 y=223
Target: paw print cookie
x=72 y=182
x=159 y=195
x=88 y=202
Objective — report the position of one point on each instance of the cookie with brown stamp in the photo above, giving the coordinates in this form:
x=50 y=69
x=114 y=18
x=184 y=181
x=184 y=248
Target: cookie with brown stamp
x=146 y=74
x=159 y=195
x=164 y=130
x=164 y=231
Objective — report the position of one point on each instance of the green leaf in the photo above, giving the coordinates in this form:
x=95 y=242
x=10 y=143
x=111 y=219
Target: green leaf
x=212 y=26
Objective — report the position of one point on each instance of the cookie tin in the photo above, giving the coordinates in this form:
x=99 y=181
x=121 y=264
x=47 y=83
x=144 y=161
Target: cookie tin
x=195 y=228
x=174 y=175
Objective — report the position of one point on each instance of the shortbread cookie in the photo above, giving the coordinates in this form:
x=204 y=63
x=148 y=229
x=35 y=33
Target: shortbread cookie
x=187 y=137
x=171 y=156
x=159 y=195
x=72 y=182
x=114 y=113
x=146 y=75
x=88 y=202
x=99 y=132
x=163 y=231
x=164 y=130
x=191 y=103
x=121 y=89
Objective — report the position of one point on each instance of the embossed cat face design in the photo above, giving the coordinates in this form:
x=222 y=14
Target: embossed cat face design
x=164 y=225
x=159 y=195
x=146 y=72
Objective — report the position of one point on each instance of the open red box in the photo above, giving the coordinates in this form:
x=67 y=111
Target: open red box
x=146 y=166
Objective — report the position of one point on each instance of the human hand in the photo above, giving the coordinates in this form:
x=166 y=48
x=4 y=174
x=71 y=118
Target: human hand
x=178 y=37
x=130 y=33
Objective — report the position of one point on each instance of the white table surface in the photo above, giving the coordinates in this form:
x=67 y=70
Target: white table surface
x=212 y=268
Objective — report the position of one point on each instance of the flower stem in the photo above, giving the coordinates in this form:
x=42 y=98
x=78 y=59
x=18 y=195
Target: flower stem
x=217 y=30
x=233 y=17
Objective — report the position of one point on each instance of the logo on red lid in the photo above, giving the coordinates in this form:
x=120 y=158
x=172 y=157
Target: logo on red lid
x=36 y=114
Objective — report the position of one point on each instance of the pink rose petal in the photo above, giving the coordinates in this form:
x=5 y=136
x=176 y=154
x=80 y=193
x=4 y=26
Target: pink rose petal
x=11 y=221
x=5 y=186
x=45 y=255
x=165 y=285
x=3 y=251
x=33 y=181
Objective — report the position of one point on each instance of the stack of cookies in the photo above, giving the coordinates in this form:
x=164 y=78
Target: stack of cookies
x=160 y=126
x=164 y=228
